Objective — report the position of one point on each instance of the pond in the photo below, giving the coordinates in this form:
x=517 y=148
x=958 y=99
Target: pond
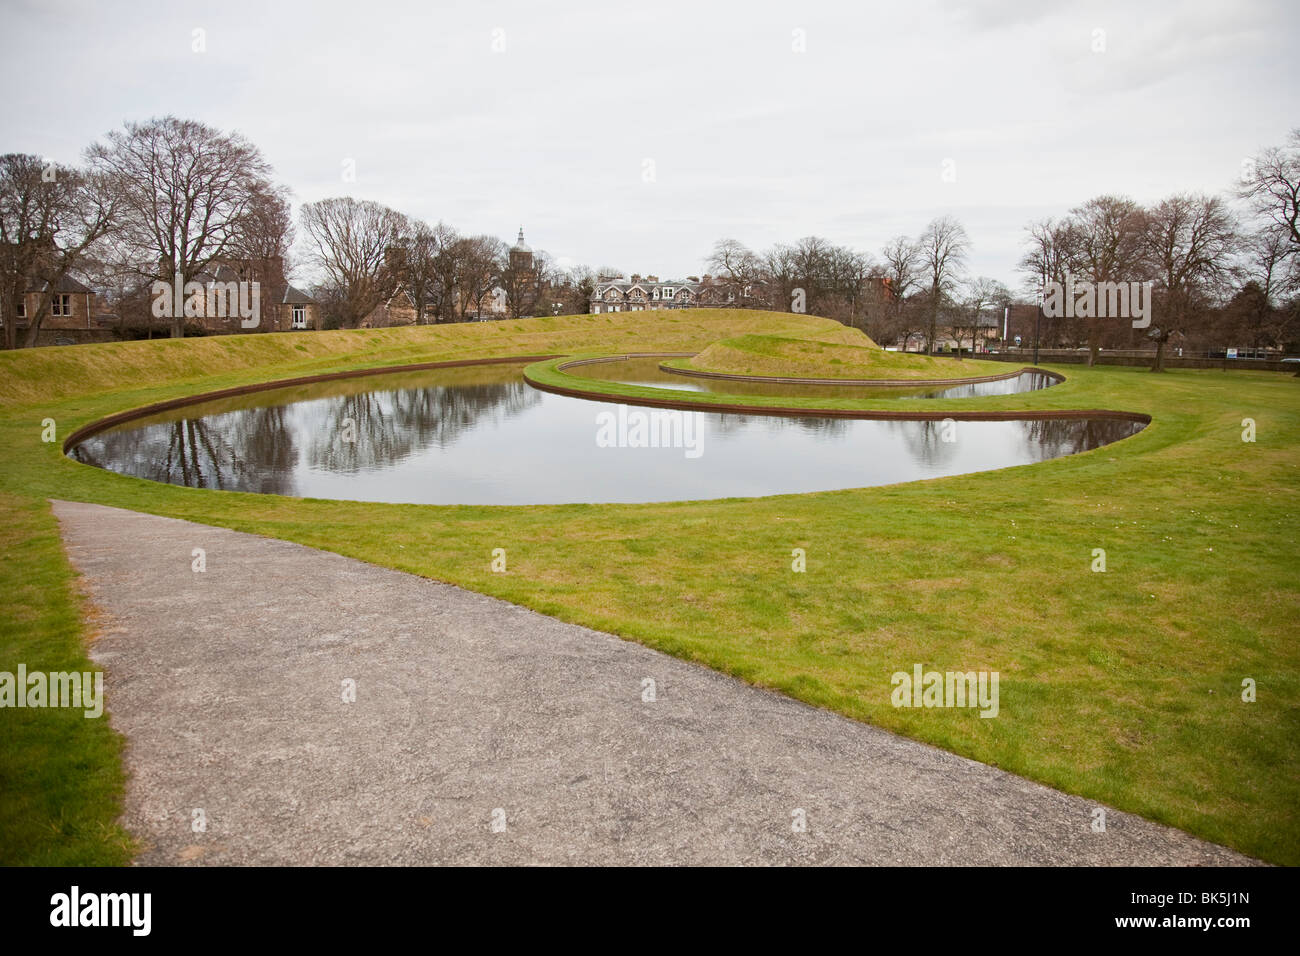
x=482 y=436
x=646 y=371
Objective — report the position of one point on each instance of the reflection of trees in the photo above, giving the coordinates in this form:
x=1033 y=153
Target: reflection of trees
x=727 y=423
x=1045 y=438
x=924 y=440
x=256 y=449
x=248 y=451
x=390 y=426
x=1055 y=437
x=1024 y=382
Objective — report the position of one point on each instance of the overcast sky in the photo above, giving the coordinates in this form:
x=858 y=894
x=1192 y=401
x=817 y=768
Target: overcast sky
x=636 y=135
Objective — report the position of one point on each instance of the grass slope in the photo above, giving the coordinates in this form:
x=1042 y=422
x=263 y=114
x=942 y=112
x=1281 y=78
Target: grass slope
x=822 y=358
x=61 y=778
x=1123 y=687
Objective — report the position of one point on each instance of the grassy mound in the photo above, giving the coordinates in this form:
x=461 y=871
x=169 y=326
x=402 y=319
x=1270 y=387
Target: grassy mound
x=846 y=353
x=33 y=376
x=1124 y=687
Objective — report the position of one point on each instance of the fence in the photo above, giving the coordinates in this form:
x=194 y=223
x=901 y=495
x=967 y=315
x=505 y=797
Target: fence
x=1142 y=359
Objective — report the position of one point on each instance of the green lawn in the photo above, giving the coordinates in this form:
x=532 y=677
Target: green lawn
x=846 y=357
x=1124 y=687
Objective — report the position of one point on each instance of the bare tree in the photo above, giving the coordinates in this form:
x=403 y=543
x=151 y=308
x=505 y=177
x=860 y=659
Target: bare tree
x=1272 y=261
x=417 y=260
x=186 y=194
x=51 y=216
x=810 y=264
x=577 y=288
x=779 y=277
x=902 y=266
x=1188 y=242
x=267 y=232
x=1107 y=246
x=351 y=240
x=970 y=317
x=942 y=250
x=901 y=270
x=524 y=281
x=1252 y=316
x=735 y=262
x=1272 y=186
x=849 y=275
x=1051 y=253
x=446 y=268
x=481 y=259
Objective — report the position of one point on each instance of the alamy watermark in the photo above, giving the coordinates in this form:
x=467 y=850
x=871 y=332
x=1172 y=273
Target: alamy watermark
x=130 y=910
x=212 y=300
x=946 y=689
x=1099 y=300
x=80 y=689
x=657 y=428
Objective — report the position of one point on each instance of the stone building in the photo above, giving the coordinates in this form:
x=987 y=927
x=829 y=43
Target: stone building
x=73 y=306
x=283 y=307
x=642 y=293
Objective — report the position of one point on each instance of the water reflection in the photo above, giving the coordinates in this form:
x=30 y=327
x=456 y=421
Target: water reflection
x=1063 y=436
x=375 y=429
x=483 y=436
x=646 y=371
x=260 y=448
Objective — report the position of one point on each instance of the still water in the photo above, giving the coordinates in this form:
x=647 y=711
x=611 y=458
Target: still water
x=646 y=371
x=481 y=435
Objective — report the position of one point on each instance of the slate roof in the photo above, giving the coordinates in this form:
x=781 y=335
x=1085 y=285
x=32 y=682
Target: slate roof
x=294 y=296
x=66 y=284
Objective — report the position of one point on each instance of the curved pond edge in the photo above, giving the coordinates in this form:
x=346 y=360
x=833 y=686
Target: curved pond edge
x=1056 y=377
x=886 y=414
x=118 y=418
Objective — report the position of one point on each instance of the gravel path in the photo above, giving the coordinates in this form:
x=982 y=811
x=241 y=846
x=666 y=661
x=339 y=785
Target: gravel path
x=486 y=733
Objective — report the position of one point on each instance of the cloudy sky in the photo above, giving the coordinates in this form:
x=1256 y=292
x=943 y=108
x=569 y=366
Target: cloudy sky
x=634 y=135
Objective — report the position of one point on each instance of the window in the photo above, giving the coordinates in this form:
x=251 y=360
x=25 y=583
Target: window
x=668 y=292
x=62 y=304
x=21 y=310
x=300 y=317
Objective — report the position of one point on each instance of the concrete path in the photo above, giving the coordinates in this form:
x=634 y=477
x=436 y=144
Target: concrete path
x=485 y=733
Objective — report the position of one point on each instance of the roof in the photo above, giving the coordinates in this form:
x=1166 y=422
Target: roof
x=520 y=245
x=294 y=296
x=66 y=284
x=625 y=285
x=223 y=273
